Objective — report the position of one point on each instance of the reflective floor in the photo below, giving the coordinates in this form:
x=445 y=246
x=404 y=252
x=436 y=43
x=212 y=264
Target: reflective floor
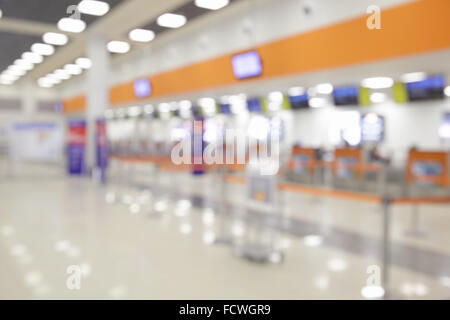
x=157 y=242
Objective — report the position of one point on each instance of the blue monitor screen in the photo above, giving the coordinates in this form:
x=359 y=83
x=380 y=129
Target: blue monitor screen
x=430 y=88
x=347 y=95
x=246 y=65
x=299 y=102
x=254 y=105
x=225 y=108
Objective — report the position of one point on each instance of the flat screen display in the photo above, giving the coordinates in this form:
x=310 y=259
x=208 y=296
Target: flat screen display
x=428 y=89
x=225 y=108
x=254 y=105
x=247 y=65
x=299 y=102
x=346 y=95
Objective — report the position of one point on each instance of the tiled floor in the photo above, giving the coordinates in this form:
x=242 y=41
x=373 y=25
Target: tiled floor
x=49 y=222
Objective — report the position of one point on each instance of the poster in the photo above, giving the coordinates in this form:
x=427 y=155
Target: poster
x=76 y=145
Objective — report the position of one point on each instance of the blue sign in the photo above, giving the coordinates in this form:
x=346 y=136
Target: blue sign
x=247 y=65
x=142 y=88
x=76 y=143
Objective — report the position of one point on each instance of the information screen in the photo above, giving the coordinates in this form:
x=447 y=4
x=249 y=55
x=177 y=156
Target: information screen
x=344 y=96
x=299 y=101
x=254 y=105
x=246 y=65
x=430 y=88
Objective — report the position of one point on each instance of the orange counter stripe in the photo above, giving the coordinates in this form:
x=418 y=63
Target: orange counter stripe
x=412 y=28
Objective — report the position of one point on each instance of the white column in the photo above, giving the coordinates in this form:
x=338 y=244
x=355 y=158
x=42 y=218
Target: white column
x=28 y=101
x=97 y=92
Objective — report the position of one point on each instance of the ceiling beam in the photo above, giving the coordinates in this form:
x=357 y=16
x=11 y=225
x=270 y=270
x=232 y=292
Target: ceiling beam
x=26 y=27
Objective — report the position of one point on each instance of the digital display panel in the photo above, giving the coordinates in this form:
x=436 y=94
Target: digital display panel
x=299 y=101
x=346 y=95
x=430 y=88
x=142 y=88
x=225 y=108
x=254 y=105
x=247 y=65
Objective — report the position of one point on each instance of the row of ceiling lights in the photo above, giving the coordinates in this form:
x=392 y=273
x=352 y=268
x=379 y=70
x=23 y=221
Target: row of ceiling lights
x=37 y=51
x=238 y=102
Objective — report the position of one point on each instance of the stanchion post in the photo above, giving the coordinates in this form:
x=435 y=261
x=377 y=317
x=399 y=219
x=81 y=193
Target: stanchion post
x=386 y=255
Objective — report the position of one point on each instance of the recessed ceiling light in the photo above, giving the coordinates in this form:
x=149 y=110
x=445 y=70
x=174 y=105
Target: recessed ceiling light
x=8 y=77
x=296 y=91
x=118 y=46
x=32 y=57
x=61 y=74
x=24 y=64
x=57 y=39
x=71 y=25
x=45 y=82
x=6 y=82
x=413 y=77
x=42 y=49
x=212 y=4
x=447 y=91
x=93 y=7
x=15 y=72
x=377 y=83
x=317 y=102
x=73 y=69
x=84 y=63
x=378 y=97
x=171 y=20
x=324 y=88
x=141 y=35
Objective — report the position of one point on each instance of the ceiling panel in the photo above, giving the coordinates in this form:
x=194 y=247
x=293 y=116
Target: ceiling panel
x=48 y=11
x=12 y=46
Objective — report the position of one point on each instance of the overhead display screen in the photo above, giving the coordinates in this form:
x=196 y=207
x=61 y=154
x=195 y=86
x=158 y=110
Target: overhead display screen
x=142 y=88
x=225 y=108
x=430 y=88
x=254 y=105
x=247 y=65
x=347 y=95
x=299 y=101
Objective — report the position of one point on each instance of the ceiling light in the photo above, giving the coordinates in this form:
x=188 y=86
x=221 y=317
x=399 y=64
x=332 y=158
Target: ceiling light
x=8 y=77
x=1 y=13
x=212 y=4
x=23 y=67
x=324 y=88
x=118 y=46
x=447 y=91
x=15 y=72
x=378 y=97
x=171 y=20
x=6 y=82
x=84 y=63
x=164 y=107
x=32 y=57
x=185 y=105
x=42 y=49
x=276 y=96
x=377 y=83
x=94 y=8
x=296 y=91
x=61 y=74
x=57 y=39
x=72 y=69
x=413 y=77
x=317 y=102
x=141 y=35
x=23 y=64
x=45 y=82
x=71 y=25
x=53 y=78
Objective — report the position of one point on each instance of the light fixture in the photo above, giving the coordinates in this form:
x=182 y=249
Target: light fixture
x=324 y=88
x=208 y=105
x=141 y=35
x=171 y=20
x=45 y=82
x=447 y=91
x=57 y=39
x=317 y=102
x=413 y=77
x=377 y=83
x=8 y=77
x=1 y=13
x=71 y=25
x=5 y=82
x=212 y=4
x=61 y=74
x=42 y=49
x=23 y=64
x=118 y=46
x=378 y=97
x=53 y=78
x=32 y=57
x=73 y=69
x=93 y=7
x=296 y=91
x=84 y=63
x=164 y=107
x=15 y=72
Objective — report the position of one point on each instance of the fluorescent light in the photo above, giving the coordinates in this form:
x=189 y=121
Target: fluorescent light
x=94 y=8
x=378 y=97
x=447 y=91
x=171 y=20
x=212 y=4
x=1 y=13
x=118 y=46
x=32 y=57
x=8 y=77
x=84 y=63
x=42 y=49
x=413 y=77
x=6 y=82
x=141 y=35
x=25 y=67
x=317 y=102
x=61 y=74
x=377 y=83
x=73 y=69
x=57 y=39
x=324 y=88
x=15 y=72
x=276 y=96
x=45 y=82
x=71 y=25
x=296 y=91
x=54 y=78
